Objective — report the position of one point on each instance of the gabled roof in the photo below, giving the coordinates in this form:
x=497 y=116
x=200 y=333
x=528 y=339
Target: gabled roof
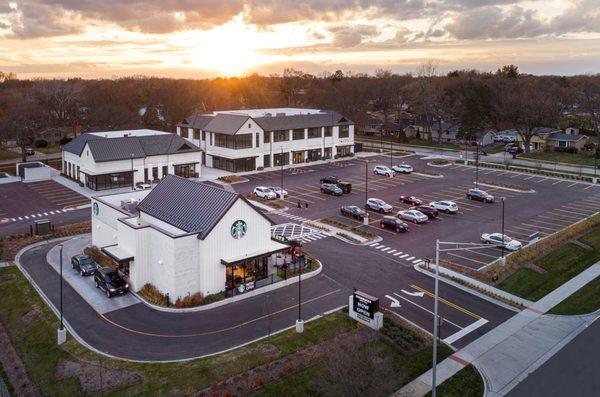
x=111 y=149
x=544 y=130
x=76 y=145
x=189 y=205
x=326 y=119
x=224 y=123
x=559 y=136
x=198 y=120
x=165 y=144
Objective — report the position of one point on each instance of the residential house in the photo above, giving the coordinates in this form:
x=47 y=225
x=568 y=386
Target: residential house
x=560 y=141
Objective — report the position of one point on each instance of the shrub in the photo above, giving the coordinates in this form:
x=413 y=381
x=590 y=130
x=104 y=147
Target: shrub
x=153 y=295
x=41 y=143
x=64 y=141
x=99 y=257
x=405 y=339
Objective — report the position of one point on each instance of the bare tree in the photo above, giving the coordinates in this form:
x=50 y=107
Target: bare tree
x=60 y=102
x=21 y=119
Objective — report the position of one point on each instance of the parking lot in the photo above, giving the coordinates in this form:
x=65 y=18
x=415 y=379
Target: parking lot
x=554 y=205
x=24 y=202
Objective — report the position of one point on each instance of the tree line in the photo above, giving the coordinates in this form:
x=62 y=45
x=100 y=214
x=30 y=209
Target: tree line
x=505 y=99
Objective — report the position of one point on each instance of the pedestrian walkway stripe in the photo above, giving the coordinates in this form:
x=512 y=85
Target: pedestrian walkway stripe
x=410 y=259
x=404 y=256
x=385 y=249
x=391 y=251
x=374 y=245
x=380 y=247
x=398 y=253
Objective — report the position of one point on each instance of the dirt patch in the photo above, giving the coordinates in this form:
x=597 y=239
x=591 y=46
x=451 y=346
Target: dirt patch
x=93 y=377
x=7 y=277
x=31 y=315
x=14 y=367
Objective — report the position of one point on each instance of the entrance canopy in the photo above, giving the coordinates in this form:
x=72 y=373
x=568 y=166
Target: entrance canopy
x=272 y=248
x=118 y=253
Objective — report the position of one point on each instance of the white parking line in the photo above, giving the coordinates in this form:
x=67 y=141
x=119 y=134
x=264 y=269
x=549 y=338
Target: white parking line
x=467 y=330
x=374 y=245
x=410 y=259
x=45 y=214
x=380 y=247
x=398 y=253
x=404 y=256
x=26 y=217
x=391 y=251
x=20 y=218
x=385 y=249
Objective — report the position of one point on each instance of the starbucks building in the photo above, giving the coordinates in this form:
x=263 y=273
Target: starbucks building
x=185 y=237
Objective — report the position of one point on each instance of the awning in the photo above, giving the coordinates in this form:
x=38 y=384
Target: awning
x=118 y=253
x=273 y=248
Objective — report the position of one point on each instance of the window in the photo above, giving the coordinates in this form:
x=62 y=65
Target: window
x=243 y=141
x=190 y=133
x=314 y=133
x=328 y=131
x=65 y=167
x=267 y=160
x=154 y=173
x=145 y=174
x=235 y=165
x=257 y=139
x=280 y=136
x=344 y=131
x=204 y=136
x=249 y=125
x=211 y=139
x=196 y=134
x=298 y=134
x=165 y=170
x=281 y=159
x=266 y=137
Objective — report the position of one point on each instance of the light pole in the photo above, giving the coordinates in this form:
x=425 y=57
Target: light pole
x=476 y=165
x=366 y=218
x=61 y=334
x=300 y=322
x=132 y=178
x=281 y=161
x=502 y=248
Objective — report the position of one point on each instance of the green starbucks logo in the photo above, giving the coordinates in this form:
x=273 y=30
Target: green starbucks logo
x=238 y=229
x=95 y=208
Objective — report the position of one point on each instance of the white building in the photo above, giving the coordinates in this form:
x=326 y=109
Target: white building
x=187 y=237
x=107 y=160
x=247 y=140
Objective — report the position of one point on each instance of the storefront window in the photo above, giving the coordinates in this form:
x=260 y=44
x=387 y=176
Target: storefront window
x=344 y=131
x=298 y=157
x=314 y=133
x=243 y=141
x=185 y=170
x=267 y=160
x=314 y=155
x=109 y=181
x=281 y=158
x=328 y=131
x=280 y=136
x=235 y=165
x=298 y=134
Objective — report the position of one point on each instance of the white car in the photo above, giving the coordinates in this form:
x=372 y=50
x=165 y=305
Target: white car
x=413 y=216
x=278 y=191
x=449 y=207
x=379 y=205
x=497 y=240
x=383 y=170
x=403 y=168
x=142 y=186
x=264 y=192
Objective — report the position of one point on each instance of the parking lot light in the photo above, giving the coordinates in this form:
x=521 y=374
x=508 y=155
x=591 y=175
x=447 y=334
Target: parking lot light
x=61 y=334
x=366 y=218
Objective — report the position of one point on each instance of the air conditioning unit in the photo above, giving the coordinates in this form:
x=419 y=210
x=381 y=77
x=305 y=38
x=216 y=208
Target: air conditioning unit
x=130 y=205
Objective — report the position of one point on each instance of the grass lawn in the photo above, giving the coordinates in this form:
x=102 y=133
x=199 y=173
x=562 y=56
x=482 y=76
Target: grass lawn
x=465 y=383
x=417 y=142
x=49 y=149
x=8 y=155
x=570 y=158
x=586 y=300
x=561 y=265
x=35 y=341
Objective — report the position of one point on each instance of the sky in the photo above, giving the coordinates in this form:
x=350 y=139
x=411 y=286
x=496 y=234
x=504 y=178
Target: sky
x=210 y=38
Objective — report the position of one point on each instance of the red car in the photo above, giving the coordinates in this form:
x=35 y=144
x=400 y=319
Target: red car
x=412 y=200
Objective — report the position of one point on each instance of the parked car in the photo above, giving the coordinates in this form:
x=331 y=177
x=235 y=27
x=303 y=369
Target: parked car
x=412 y=200
x=29 y=151
x=345 y=186
x=403 y=168
x=142 y=186
x=264 y=192
x=353 y=211
x=431 y=212
x=383 y=170
x=83 y=264
x=480 y=195
x=449 y=207
x=413 y=216
x=379 y=205
x=497 y=240
x=109 y=281
x=389 y=222
x=278 y=191
x=331 y=179
x=332 y=189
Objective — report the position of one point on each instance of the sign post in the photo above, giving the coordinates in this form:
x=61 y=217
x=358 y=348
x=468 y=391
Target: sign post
x=364 y=308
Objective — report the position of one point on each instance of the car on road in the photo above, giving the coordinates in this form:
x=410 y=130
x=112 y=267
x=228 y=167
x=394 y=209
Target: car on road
x=480 y=195
x=264 y=192
x=431 y=212
x=389 y=222
x=83 y=264
x=498 y=240
x=29 y=151
x=142 y=186
x=449 y=207
x=278 y=191
x=413 y=216
x=110 y=281
x=345 y=186
x=353 y=211
x=403 y=168
x=383 y=170
x=334 y=180
x=412 y=200
x=330 y=188
x=379 y=205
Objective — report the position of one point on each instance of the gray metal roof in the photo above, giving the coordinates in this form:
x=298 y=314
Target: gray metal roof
x=76 y=145
x=224 y=123
x=559 y=136
x=189 y=205
x=198 y=120
x=111 y=149
x=154 y=145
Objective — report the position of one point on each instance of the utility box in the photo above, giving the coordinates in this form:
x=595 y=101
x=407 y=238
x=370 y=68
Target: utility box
x=43 y=227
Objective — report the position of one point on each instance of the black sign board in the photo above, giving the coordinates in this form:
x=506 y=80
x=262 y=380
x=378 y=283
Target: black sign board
x=365 y=305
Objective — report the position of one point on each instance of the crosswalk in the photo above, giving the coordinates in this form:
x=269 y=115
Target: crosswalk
x=293 y=231
x=395 y=253
x=297 y=218
x=35 y=216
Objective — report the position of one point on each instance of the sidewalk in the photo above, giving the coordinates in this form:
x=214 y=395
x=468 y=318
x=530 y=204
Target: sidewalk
x=509 y=352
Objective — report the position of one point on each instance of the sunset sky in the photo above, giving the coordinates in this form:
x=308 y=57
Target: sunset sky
x=203 y=38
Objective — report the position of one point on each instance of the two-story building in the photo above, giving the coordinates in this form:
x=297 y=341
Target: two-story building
x=113 y=159
x=247 y=140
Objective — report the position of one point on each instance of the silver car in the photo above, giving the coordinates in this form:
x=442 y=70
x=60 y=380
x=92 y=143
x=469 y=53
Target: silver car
x=379 y=205
x=449 y=207
x=413 y=216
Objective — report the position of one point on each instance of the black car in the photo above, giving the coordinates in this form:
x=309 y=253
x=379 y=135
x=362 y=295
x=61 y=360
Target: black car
x=109 y=280
x=353 y=211
x=29 y=151
x=480 y=195
x=390 y=222
x=345 y=186
x=84 y=264
x=331 y=179
x=332 y=189
x=431 y=213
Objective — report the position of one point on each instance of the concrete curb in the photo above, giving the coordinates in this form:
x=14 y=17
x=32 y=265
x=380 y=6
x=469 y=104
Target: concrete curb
x=428 y=176
x=505 y=188
x=333 y=231
x=266 y=207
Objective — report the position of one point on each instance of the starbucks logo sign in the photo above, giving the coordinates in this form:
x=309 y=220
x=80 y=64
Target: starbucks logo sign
x=238 y=229
x=95 y=208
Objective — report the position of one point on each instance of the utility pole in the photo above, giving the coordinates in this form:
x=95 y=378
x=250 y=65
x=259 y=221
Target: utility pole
x=502 y=247
x=366 y=218
x=281 y=161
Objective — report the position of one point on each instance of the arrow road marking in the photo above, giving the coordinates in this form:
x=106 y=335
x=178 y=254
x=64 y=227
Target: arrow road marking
x=395 y=302
x=419 y=294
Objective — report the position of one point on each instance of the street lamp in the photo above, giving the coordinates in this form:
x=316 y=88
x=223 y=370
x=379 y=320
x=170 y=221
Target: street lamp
x=366 y=217
x=300 y=322
x=476 y=165
x=281 y=161
x=502 y=247
x=62 y=333
x=132 y=178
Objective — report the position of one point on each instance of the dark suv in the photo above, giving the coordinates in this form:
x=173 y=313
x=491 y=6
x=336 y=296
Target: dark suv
x=390 y=222
x=109 y=280
x=353 y=211
x=345 y=186
x=331 y=179
x=84 y=264
x=480 y=195
x=431 y=212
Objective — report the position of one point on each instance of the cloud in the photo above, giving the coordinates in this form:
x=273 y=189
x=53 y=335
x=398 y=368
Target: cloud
x=351 y=36
x=581 y=16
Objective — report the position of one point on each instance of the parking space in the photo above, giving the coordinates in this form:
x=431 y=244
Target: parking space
x=29 y=201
